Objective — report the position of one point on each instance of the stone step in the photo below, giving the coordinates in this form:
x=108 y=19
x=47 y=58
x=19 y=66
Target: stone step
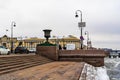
x=20 y=62
x=10 y=64
x=20 y=68
x=19 y=65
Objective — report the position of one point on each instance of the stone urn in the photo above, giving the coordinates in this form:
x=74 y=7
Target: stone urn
x=47 y=34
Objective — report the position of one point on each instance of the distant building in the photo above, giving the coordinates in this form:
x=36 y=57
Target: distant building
x=6 y=41
x=32 y=42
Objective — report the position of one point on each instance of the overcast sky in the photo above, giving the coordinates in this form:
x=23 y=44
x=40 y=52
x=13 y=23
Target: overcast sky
x=102 y=19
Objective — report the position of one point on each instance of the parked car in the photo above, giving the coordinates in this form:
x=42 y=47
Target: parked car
x=4 y=50
x=32 y=50
x=20 y=49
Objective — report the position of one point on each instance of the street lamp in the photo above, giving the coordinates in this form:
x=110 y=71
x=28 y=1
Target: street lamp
x=63 y=42
x=87 y=33
x=80 y=25
x=6 y=31
x=13 y=24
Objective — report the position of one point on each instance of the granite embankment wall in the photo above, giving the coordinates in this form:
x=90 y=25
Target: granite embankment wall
x=47 y=51
x=93 y=57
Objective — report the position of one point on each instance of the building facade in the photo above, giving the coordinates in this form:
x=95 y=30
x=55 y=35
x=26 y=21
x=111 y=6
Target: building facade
x=6 y=41
x=32 y=42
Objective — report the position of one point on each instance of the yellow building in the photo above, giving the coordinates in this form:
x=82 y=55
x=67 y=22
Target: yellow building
x=6 y=41
x=32 y=42
x=66 y=40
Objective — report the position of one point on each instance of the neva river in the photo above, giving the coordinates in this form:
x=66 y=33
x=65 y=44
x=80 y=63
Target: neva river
x=113 y=68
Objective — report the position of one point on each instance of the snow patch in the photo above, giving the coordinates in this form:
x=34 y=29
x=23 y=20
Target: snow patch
x=102 y=73
x=94 y=73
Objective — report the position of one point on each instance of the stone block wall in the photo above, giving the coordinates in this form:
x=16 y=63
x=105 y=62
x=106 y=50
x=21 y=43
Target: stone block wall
x=93 y=57
x=48 y=51
x=95 y=61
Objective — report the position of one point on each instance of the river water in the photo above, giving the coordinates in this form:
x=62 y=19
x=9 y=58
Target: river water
x=113 y=68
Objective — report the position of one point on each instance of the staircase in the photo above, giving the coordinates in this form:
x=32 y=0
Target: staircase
x=14 y=63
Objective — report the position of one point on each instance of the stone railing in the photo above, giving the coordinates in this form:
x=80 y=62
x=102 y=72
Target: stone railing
x=93 y=57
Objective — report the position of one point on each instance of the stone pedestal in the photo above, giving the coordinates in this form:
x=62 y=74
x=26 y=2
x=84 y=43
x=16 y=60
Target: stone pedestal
x=48 y=51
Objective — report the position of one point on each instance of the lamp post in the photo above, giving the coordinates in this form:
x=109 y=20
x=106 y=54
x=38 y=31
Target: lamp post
x=13 y=24
x=87 y=33
x=80 y=25
x=63 y=43
x=6 y=31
